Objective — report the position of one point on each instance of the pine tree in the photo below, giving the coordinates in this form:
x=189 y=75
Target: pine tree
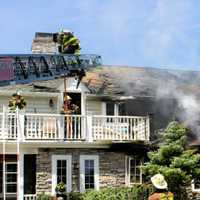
x=173 y=159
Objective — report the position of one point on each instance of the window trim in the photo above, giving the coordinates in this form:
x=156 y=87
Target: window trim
x=128 y=168
x=68 y=158
x=193 y=187
x=82 y=171
x=116 y=109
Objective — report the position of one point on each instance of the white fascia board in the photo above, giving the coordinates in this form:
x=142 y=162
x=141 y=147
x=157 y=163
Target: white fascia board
x=30 y=94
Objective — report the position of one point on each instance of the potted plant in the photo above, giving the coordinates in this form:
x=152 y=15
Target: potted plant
x=61 y=190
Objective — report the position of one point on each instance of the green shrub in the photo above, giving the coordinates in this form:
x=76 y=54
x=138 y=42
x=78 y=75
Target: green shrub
x=44 y=196
x=138 y=192
x=75 y=196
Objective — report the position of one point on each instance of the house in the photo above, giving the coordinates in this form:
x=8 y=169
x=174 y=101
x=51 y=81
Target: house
x=121 y=109
x=90 y=149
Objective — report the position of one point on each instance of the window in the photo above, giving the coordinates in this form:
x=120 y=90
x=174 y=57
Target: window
x=133 y=170
x=110 y=108
x=61 y=171
x=196 y=185
x=89 y=172
x=11 y=177
x=114 y=108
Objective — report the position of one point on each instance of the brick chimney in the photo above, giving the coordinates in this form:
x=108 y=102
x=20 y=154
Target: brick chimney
x=43 y=43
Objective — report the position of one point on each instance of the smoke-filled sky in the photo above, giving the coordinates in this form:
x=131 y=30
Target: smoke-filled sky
x=151 y=33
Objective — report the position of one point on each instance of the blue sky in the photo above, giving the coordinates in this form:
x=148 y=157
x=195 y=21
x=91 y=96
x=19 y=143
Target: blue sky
x=151 y=33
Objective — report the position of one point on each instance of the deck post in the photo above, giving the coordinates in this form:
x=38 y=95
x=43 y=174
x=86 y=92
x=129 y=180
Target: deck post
x=89 y=137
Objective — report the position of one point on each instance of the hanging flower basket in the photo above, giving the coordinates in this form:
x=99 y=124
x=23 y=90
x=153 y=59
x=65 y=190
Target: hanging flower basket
x=16 y=101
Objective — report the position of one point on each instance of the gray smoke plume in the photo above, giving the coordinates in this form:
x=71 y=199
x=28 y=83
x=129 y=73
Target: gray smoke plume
x=163 y=85
x=187 y=109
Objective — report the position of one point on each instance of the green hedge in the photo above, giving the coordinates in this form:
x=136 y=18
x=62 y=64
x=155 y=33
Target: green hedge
x=140 y=192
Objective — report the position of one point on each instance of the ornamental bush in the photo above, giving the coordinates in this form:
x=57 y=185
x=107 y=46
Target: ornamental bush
x=44 y=196
x=174 y=160
x=138 y=192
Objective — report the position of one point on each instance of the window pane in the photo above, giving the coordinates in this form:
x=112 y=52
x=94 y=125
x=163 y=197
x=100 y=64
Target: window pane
x=58 y=163
x=11 y=188
x=110 y=108
x=64 y=163
x=58 y=171
x=11 y=178
x=11 y=167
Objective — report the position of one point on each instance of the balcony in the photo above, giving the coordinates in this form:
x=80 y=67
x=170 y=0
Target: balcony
x=26 y=127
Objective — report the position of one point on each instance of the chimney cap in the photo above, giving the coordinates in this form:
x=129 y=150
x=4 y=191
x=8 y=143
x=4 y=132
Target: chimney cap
x=43 y=34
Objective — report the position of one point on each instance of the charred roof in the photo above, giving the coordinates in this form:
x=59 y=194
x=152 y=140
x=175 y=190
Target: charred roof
x=126 y=81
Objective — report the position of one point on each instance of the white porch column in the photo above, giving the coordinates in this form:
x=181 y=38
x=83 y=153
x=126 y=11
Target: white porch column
x=20 y=182
x=61 y=127
x=4 y=152
x=89 y=136
x=21 y=126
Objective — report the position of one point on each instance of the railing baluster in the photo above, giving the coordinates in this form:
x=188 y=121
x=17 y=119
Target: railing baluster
x=51 y=127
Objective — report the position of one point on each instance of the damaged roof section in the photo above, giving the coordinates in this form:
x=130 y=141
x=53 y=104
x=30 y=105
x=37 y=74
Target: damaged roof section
x=141 y=82
x=125 y=81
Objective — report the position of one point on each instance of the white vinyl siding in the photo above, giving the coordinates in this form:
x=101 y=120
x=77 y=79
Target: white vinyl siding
x=34 y=104
x=3 y=101
x=40 y=105
x=93 y=107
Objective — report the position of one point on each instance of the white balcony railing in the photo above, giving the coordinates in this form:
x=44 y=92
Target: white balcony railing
x=56 y=127
x=120 y=128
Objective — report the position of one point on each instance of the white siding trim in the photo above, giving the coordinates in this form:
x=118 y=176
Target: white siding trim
x=82 y=171
x=103 y=108
x=69 y=171
x=116 y=109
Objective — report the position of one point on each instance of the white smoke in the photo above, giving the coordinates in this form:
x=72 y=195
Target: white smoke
x=187 y=109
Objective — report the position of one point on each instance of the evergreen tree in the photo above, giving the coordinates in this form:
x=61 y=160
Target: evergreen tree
x=178 y=164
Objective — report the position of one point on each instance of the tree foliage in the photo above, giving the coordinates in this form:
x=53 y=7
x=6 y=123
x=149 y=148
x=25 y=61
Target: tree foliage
x=178 y=164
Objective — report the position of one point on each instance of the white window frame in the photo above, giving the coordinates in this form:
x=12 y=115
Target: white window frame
x=68 y=158
x=116 y=108
x=193 y=187
x=82 y=171
x=128 y=170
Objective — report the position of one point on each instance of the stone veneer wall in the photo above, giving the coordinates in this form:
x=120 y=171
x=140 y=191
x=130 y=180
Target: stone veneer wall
x=111 y=167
